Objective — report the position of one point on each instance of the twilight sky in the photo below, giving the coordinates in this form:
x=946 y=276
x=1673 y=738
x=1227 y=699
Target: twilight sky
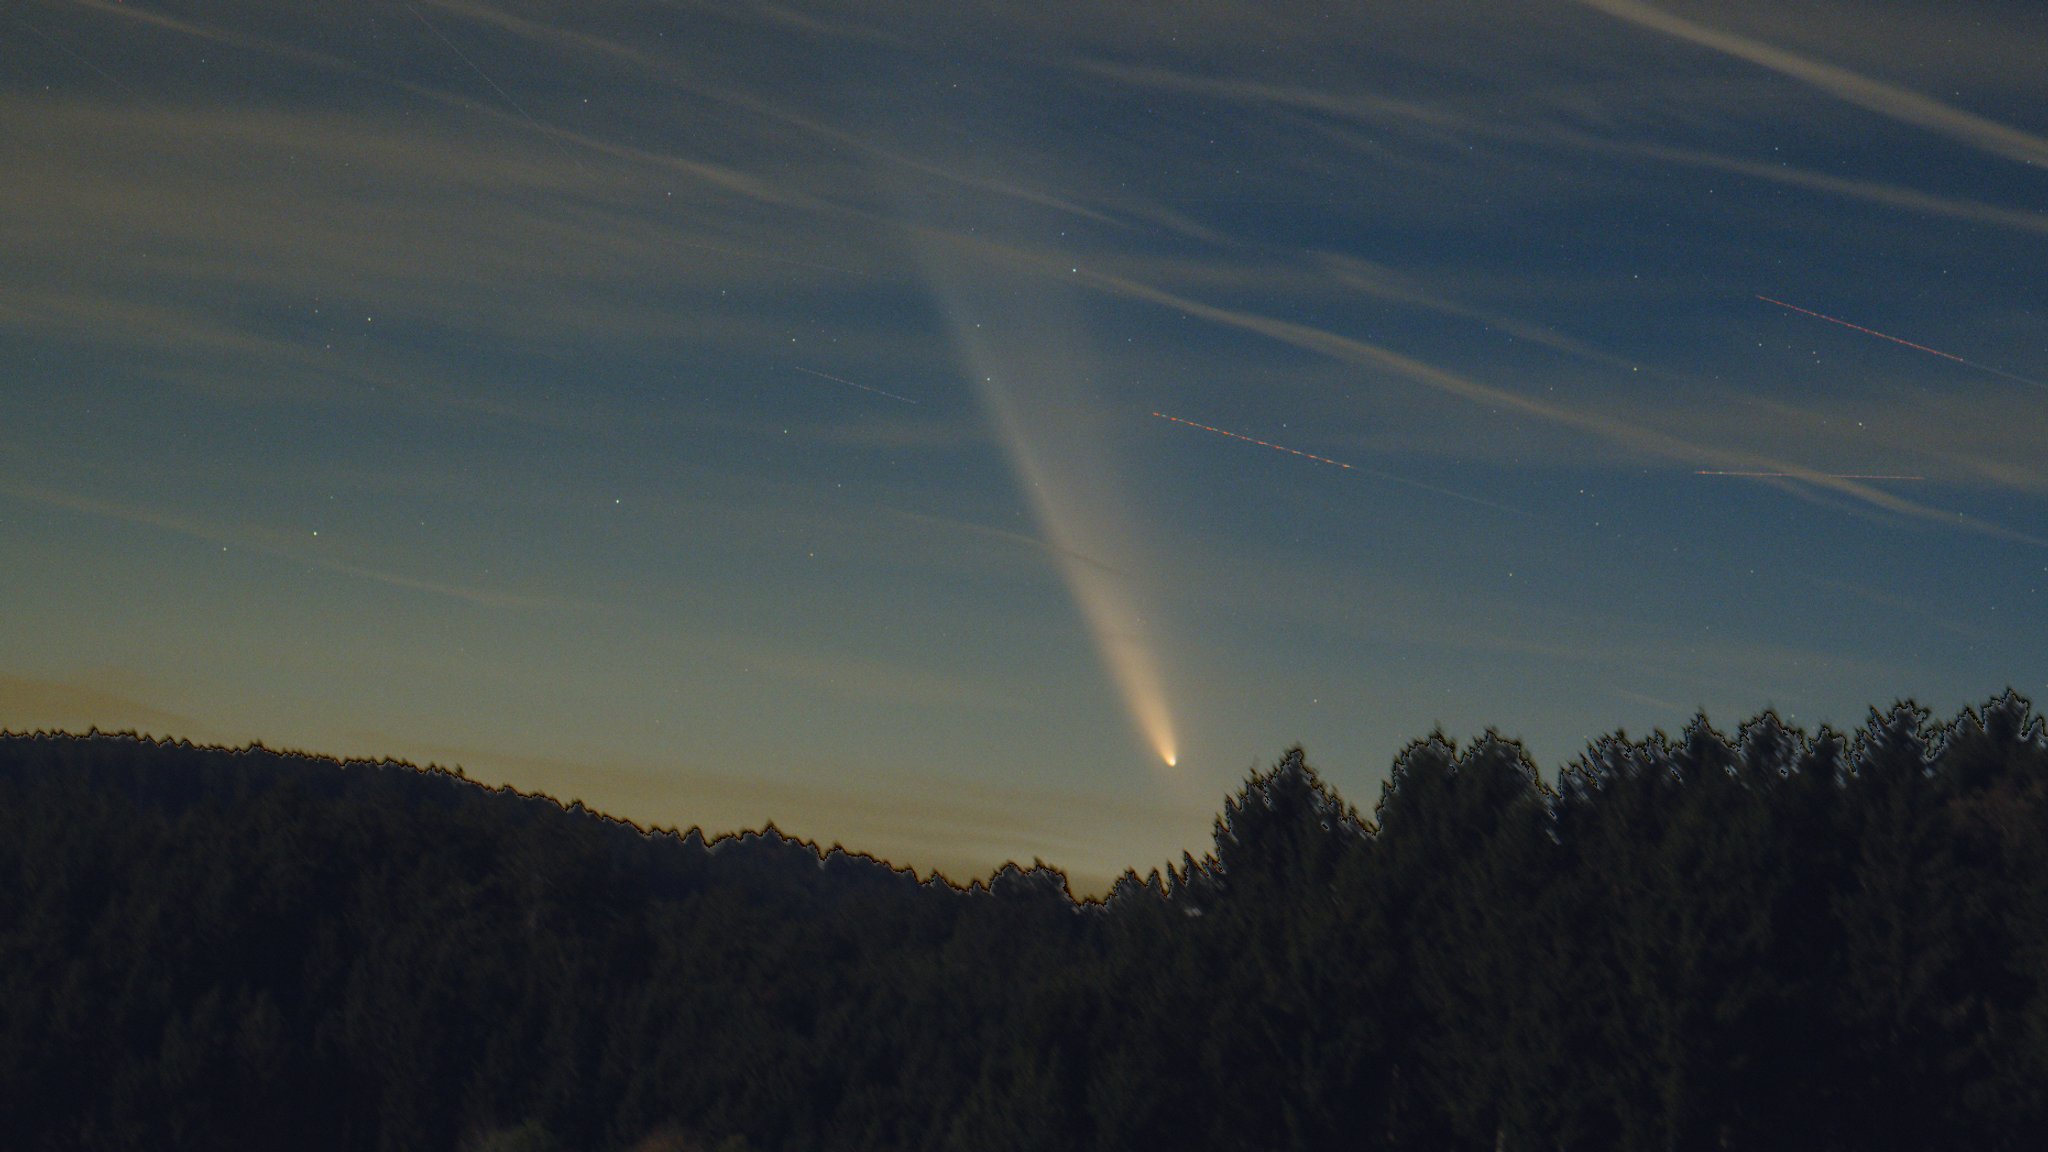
x=917 y=421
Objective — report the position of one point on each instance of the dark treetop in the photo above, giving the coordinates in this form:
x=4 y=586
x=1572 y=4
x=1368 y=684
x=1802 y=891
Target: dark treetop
x=1769 y=941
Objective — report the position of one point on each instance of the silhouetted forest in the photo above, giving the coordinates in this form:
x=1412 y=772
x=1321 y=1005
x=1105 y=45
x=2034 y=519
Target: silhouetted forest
x=1766 y=941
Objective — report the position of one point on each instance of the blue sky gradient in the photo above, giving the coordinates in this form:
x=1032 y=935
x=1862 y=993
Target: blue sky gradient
x=724 y=412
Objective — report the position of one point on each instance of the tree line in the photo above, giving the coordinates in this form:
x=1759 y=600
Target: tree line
x=1764 y=940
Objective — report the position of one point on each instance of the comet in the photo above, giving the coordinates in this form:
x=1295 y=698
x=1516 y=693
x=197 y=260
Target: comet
x=1032 y=370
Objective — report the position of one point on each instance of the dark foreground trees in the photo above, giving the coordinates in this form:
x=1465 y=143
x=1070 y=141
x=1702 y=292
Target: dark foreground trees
x=1764 y=941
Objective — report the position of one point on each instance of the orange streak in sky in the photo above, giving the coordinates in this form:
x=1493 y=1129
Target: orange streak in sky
x=1799 y=476
x=1908 y=343
x=1868 y=331
x=862 y=387
x=1389 y=477
x=1260 y=443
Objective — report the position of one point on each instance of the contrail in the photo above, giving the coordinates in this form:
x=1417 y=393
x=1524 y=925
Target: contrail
x=1803 y=476
x=1340 y=464
x=1907 y=343
x=851 y=384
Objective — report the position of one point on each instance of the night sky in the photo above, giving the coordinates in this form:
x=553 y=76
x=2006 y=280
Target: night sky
x=976 y=431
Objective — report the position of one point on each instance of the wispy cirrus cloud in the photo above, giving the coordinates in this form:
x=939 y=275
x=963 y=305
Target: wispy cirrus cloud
x=214 y=34
x=1897 y=196
x=1901 y=104
x=736 y=99
x=1450 y=124
x=273 y=542
x=1401 y=288
x=1617 y=431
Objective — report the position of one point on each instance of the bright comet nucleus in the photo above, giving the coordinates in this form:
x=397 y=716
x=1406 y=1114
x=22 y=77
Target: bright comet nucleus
x=1026 y=347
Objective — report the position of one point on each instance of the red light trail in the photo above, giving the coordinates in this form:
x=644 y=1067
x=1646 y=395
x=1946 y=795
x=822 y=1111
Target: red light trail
x=1803 y=475
x=1866 y=331
x=1391 y=479
x=1262 y=443
x=1896 y=340
x=852 y=384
